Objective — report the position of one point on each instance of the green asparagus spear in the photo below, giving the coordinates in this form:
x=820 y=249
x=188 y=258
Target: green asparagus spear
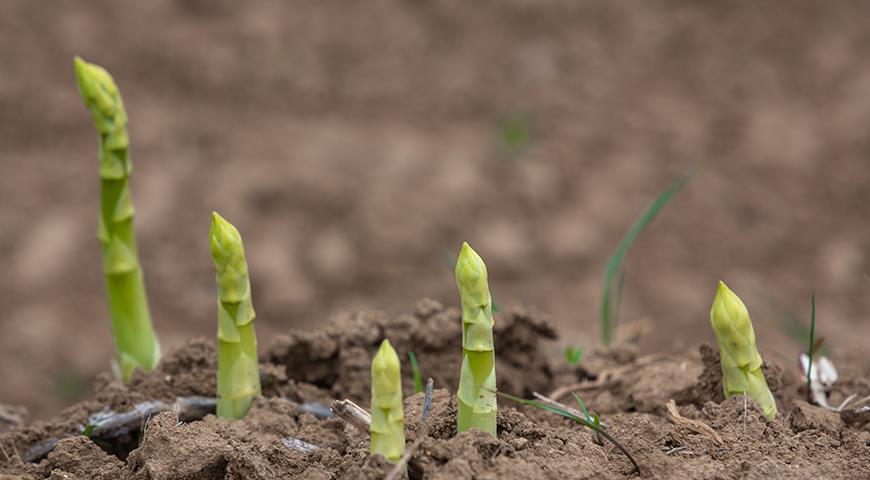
x=476 y=395
x=388 y=421
x=741 y=363
x=238 y=381
x=131 y=322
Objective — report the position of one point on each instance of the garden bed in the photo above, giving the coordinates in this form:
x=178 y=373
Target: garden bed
x=286 y=434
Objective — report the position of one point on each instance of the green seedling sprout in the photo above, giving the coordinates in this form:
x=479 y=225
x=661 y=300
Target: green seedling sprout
x=811 y=351
x=741 y=362
x=476 y=395
x=415 y=371
x=388 y=418
x=613 y=274
x=515 y=133
x=135 y=341
x=238 y=378
x=591 y=422
x=573 y=354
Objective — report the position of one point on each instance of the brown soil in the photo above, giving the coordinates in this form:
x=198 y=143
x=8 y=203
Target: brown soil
x=803 y=441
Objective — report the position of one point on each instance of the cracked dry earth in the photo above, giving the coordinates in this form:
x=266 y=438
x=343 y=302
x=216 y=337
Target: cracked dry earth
x=287 y=435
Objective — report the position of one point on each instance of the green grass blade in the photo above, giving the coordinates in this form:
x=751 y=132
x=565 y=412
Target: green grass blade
x=582 y=407
x=573 y=354
x=794 y=327
x=812 y=342
x=612 y=276
x=415 y=370
x=595 y=425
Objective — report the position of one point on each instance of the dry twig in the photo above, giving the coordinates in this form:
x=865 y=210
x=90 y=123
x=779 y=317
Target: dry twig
x=299 y=445
x=696 y=426
x=400 y=467
x=352 y=414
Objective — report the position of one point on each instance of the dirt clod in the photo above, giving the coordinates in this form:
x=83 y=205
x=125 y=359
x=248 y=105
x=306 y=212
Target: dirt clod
x=811 y=417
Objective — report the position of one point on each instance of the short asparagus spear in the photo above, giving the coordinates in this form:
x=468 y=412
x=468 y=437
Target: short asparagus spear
x=476 y=395
x=128 y=306
x=741 y=363
x=238 y=381
x=388 y=421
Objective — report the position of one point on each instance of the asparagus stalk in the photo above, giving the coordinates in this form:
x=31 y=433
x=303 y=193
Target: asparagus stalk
x=135 y=341
x=238 y=381
x=388 y=421
x=741 y=363
x=476 y=395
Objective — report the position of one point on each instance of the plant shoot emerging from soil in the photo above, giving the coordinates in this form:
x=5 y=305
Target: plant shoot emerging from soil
x=135 y=341
x=741 y=363
x=614 y=274
x=811 y=350
x=238 y=381
x=388 y=419
x=476 y=395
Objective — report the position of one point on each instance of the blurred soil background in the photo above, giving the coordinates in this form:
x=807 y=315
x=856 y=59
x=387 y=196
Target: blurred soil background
x=357 y=144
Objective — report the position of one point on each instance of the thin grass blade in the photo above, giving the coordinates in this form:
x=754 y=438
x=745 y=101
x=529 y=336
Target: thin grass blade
x=812 y=343
x=415 y=370
x=612 y=276
x=582 y=407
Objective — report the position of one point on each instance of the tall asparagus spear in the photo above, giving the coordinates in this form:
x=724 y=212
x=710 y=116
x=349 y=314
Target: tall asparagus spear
x=238 y=381
x=477 y=400
x=131 y=322
x=388 y=420
x=741 y=363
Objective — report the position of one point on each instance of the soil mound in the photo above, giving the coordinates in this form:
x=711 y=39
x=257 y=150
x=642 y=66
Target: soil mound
x=158 y=426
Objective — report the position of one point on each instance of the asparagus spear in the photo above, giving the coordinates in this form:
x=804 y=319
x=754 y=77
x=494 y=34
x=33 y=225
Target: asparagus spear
x=476 y=395
x=741 y=363
x=388 y=421
x=128 y=306
x=238 y=381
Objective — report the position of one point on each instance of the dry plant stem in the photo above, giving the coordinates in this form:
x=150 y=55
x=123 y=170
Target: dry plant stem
x=696 y=426
x=579 y=386
x=401 y=466
x=352 y=414
x=14 y=416
x=299 y=445
x=427 y=399
x=861 y=402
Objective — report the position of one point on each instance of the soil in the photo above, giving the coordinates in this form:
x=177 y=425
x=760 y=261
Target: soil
x=310 y=368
